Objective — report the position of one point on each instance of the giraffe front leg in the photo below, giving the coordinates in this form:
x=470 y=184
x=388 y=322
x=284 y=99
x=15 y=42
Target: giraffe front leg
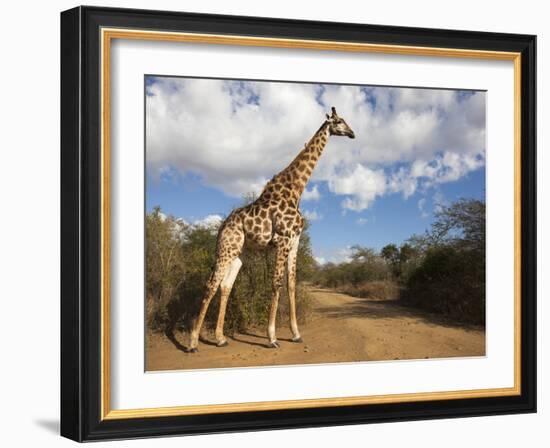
x=225 y=287
x=283 y=246
x=292 y=288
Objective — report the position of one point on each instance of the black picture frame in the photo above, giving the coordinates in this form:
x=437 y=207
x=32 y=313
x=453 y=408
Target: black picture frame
x=81 y=224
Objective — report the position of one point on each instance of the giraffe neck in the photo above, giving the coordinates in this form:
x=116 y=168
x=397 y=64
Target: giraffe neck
x=297 y=174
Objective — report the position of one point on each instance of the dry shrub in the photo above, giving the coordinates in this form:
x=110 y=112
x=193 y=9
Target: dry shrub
x=374 y=290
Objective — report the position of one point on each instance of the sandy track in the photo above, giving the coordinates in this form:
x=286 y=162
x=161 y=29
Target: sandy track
x=342 y=329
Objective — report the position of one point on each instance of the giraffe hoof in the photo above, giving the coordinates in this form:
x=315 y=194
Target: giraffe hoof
x=222 y=344
x=297 y=340
x=192 y=350
x=274 y=344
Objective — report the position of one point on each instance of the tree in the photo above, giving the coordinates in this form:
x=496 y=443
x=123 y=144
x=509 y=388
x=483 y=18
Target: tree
x=399 y=257
x=390 y=253
x=362 y=254
x=461 y=223
x=407 y=253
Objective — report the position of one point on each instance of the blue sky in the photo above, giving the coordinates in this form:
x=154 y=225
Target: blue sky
x=208 y=142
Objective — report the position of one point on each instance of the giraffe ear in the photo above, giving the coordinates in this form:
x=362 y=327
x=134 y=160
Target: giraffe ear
x=328 y=118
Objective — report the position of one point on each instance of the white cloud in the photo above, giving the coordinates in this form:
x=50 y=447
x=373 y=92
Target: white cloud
x=312 y=215
x=311 y=195
x=341 y=255
x=237 y=135
x=181 y=222
x=361 y=184
x=362 y=221
x=320 y=260
x=335 y=255
x=422 y=208
x=210 y=221
x=439 y=201
x=402 y=181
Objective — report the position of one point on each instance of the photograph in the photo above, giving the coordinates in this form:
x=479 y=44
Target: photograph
x=272 y=222
x=291 y=223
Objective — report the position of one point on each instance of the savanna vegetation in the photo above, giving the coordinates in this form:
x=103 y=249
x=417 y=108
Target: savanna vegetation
x=179 y=258
x=442 y=271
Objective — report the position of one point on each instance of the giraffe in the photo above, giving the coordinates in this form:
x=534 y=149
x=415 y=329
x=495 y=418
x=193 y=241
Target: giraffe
x=272 y=220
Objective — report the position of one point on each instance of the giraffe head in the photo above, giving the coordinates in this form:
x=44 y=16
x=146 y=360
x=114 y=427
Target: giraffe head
x=338 y=126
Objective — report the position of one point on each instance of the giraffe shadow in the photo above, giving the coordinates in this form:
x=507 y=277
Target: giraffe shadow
x=259 y=336
x=172 y=338
x=207 y=342
x=179 y=346
x=244 y=341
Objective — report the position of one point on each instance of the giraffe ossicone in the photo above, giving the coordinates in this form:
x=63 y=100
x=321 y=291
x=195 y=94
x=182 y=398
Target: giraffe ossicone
x=273 y=220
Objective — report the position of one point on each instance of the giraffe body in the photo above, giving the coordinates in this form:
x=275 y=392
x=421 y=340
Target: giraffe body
x=273 y=220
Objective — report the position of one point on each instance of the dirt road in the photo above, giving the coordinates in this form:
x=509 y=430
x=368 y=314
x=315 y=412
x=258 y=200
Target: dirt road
x=342 y=329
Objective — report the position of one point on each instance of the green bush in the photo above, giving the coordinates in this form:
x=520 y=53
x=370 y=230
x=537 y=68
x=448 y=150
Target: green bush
x=449 y=281
x=450 y=278
x=365 y=265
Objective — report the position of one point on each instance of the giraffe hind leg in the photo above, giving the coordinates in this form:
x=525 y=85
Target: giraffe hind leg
x=211 y=288
x=283 y=248
x=230 y=243
x=292 y=288
x=225 y=288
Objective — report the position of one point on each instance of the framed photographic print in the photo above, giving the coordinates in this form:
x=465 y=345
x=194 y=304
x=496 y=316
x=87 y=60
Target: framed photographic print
x=272 y=223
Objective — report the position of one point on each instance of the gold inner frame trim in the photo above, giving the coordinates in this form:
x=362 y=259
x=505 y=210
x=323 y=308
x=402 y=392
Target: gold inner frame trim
x=107 y=35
